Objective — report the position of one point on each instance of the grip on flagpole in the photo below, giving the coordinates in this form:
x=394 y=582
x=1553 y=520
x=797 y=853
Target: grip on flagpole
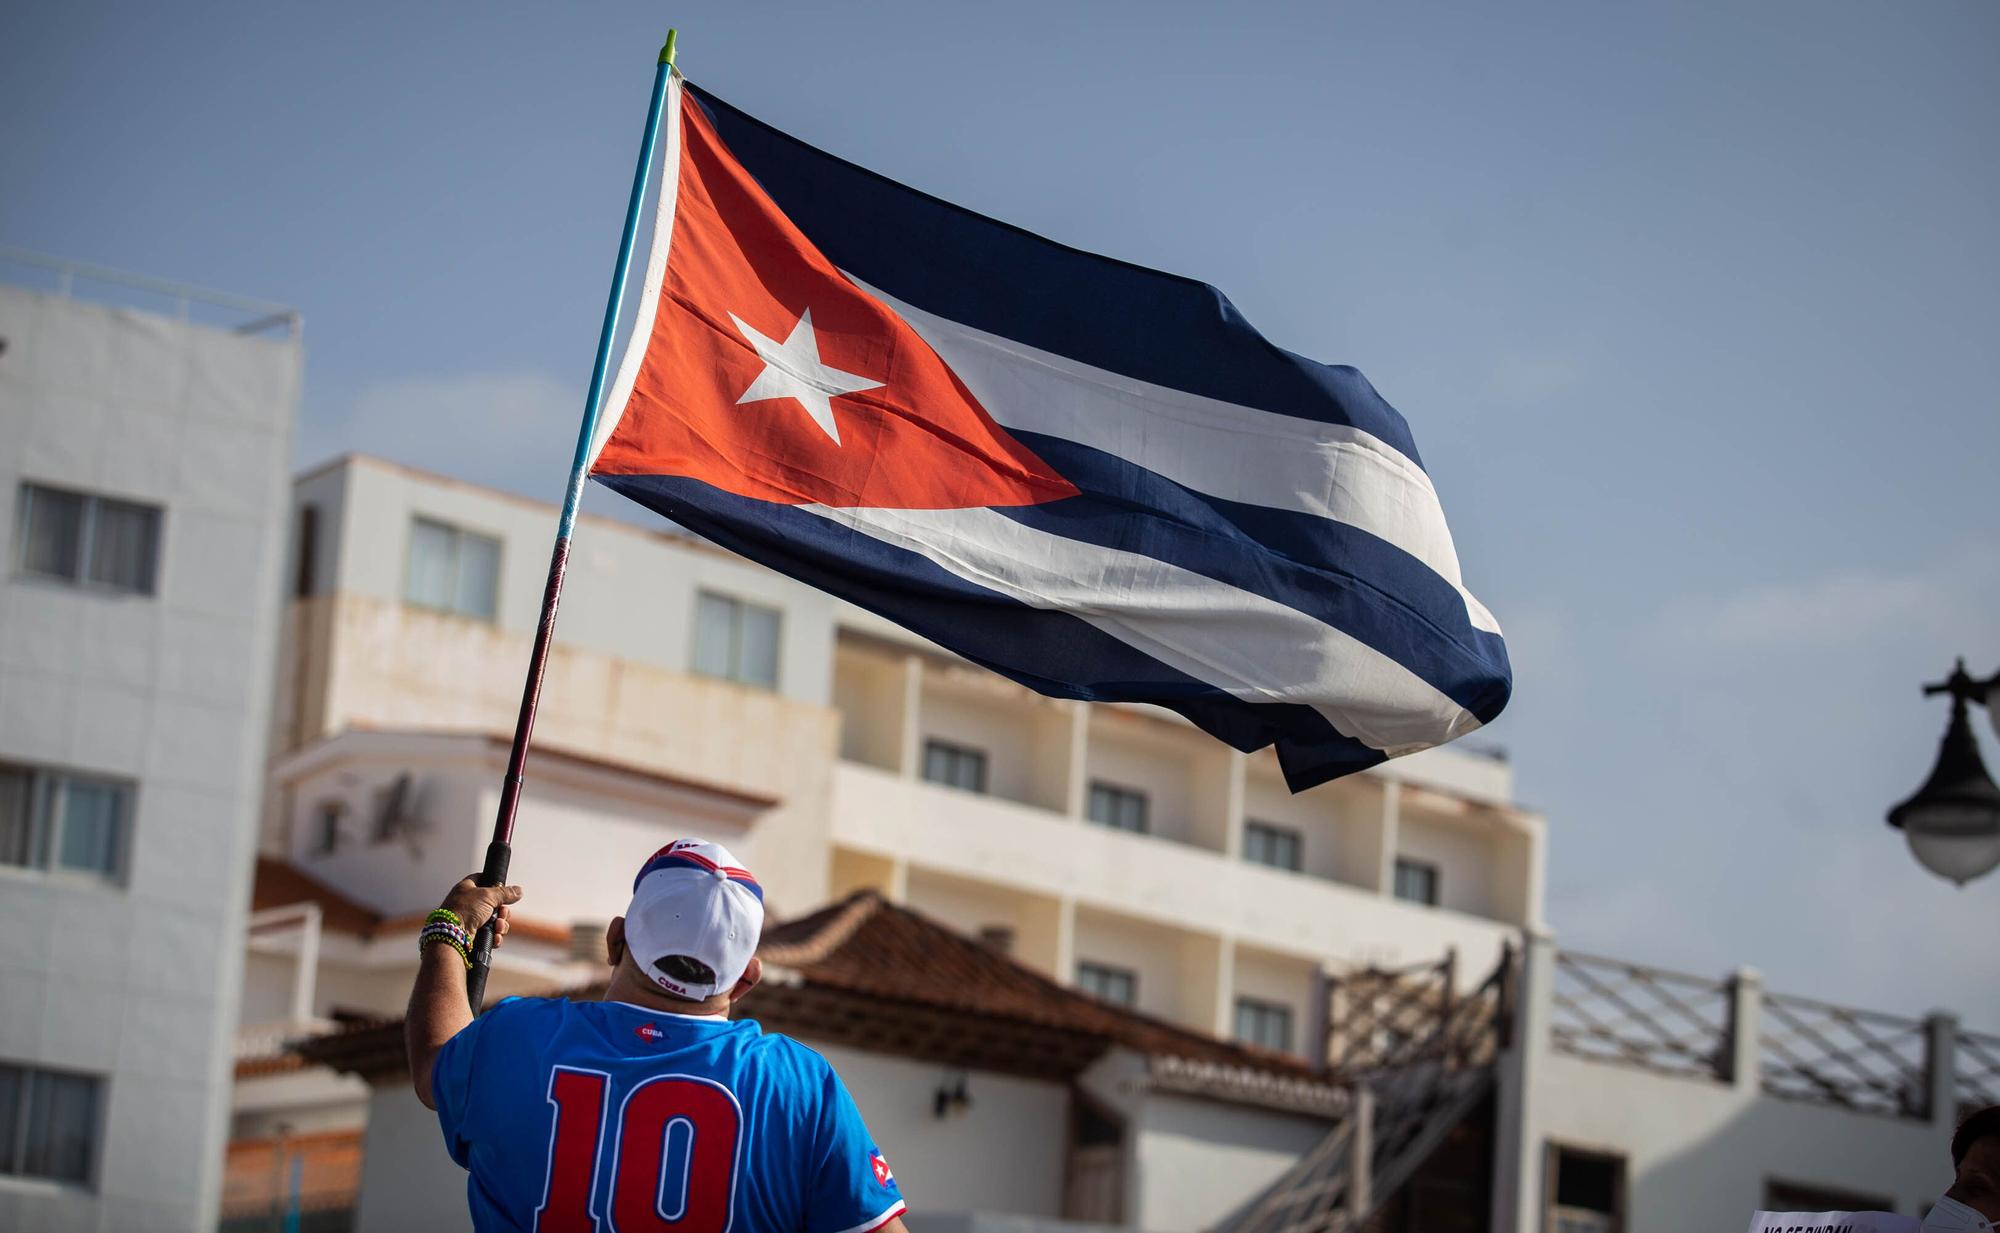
x=498 y=855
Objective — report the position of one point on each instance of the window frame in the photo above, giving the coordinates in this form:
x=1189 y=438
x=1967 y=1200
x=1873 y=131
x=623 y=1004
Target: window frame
x=459 y=534
x=1782 y=1194
x=1621 y=1184
x=328 y=817
x=1118 y=793
x=47 y=805
x=1273 y=830
x=735 y=672
x=1267 y=1010
x=85 y=545
x=1430 y=868
x=1113 y=971
x=15 y=1169
x=955 y=752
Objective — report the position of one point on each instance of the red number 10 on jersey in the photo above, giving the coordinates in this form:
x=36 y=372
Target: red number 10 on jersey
x=700 y=1116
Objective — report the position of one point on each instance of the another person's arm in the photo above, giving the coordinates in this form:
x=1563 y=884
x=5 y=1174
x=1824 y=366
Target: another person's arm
x=438 y=1009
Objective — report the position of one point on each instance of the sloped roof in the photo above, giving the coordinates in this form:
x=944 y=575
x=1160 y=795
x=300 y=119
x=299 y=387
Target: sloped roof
x=280 y=884
x=884 y=978
x=868 y=946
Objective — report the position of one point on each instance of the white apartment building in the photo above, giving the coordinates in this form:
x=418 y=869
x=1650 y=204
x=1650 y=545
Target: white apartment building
x=1337 y=936
x=143 y=499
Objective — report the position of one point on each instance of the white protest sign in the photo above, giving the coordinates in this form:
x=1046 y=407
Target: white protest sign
x=1833 y=1222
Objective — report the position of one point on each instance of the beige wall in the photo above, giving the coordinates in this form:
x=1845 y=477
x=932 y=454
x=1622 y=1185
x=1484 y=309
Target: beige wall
x=1283 y=979
x=629 y=593
x=1199 y=1160
x=1004 y=1154
x=1164 y=771
x=1699 y=1153
x=391 y=667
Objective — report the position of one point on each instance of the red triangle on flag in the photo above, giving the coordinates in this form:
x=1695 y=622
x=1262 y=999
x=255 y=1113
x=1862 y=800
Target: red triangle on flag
x=770 y=375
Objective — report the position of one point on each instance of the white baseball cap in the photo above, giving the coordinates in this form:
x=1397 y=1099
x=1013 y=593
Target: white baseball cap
x=692 y=898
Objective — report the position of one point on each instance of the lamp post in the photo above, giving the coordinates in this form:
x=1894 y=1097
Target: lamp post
x=1953 y=822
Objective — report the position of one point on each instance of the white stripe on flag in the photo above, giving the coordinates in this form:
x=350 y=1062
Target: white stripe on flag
x=619 y=395
x=1245 y=645
x=1218 y=448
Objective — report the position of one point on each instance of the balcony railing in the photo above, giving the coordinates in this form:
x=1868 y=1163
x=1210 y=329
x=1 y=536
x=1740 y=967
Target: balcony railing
x=1611 y=1011
x=1976 y=1077
x=1863 y=1061
x=1857 y=1059
x=100 y=284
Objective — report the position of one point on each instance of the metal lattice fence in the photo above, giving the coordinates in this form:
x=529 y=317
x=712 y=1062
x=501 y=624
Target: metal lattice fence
x=1835 y=1055
x=1608 y=1010
x=1978 y=1071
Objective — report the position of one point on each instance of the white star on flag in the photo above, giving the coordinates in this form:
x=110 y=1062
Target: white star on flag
x=793 y=369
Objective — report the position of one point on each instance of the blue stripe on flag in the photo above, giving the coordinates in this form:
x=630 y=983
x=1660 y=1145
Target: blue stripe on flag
x=993 y=276
x=1052 y=652
x=1341 y=575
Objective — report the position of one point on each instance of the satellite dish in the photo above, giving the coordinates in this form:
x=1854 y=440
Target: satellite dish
x=392 y=808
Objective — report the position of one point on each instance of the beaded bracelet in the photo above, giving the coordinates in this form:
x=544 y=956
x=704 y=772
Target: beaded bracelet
x=444 y=916
x=463 y=953
x=450 y=934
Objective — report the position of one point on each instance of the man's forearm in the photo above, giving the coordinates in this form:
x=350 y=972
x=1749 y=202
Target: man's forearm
x=438 y=1009
x=438 y=1012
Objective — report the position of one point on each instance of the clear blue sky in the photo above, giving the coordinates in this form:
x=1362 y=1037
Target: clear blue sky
x=1694 y=308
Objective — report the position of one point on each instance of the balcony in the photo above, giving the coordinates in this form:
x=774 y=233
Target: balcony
x=907 y=831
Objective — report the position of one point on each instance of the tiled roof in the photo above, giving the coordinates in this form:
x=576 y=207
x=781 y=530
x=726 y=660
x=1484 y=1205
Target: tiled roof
x=883 y=978
x=280 y=884
x=868 y=946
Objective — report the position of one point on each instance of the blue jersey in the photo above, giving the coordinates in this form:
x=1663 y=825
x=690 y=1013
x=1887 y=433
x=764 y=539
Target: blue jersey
x=605 y=1117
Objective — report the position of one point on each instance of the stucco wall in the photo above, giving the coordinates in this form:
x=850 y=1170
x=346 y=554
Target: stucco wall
x=629 y=592
x=1004 y=1154
x=1199 y=1160
x=394 y=667
x=1464 y=856
x=1699 y=1153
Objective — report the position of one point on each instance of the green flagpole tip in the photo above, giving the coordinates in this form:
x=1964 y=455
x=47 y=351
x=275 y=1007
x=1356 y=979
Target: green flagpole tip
x=667 y=51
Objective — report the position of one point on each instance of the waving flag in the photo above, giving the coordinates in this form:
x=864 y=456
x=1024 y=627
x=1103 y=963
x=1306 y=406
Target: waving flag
x=1093 y=478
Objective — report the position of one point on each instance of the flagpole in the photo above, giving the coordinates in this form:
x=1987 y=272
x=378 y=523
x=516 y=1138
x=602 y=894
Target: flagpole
x=500 y=851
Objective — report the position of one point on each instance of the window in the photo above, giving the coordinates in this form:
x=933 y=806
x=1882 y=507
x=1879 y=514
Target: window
x=326 y=827
x=955 y=766
x=67 y=823
x=305 y=580
x=453 y=570
x=735 y=641
x=48 y=1123
x=1120 y=985
x=1276 y=846
x=89 y=540
x=1586 y=1192
x=1782 y=1196
x=1264 y=1023
x=1416 y=881
x=1121 y=809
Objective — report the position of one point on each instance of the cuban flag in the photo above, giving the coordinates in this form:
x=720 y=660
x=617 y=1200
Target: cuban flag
x=1093 y=478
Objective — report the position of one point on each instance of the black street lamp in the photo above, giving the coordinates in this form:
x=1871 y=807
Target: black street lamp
x=1953 y=822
